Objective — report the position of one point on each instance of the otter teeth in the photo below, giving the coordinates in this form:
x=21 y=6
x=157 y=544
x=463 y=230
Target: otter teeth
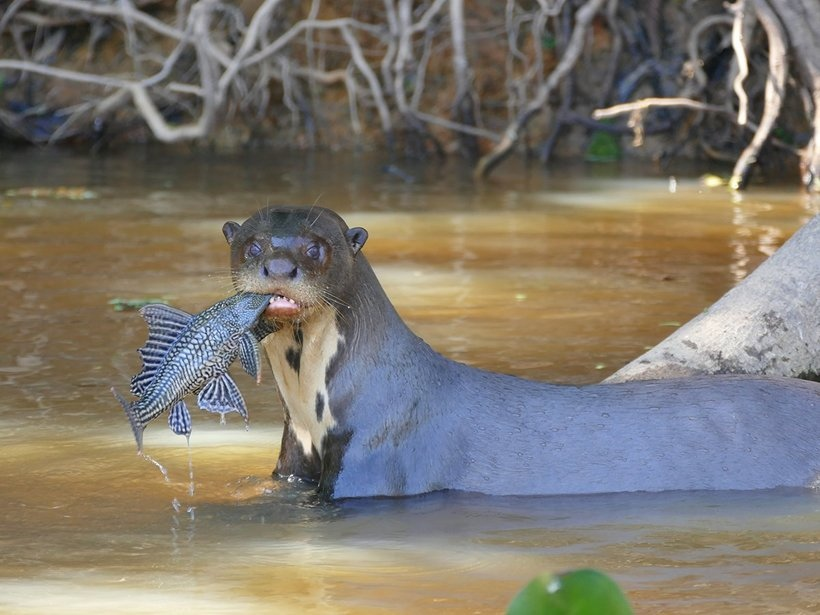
x=281 y=298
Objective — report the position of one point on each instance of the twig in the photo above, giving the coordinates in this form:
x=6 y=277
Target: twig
x=424 y=21
x=310 y=52
x=511 y=135
x=287 y=91
x=9 y=13
x=259 y=20
x=375 y=88
x=421 y=68
x=117 y=10
x=694 y=65
x=403 y=55
x=352 y=97
x=646 y=103
x=389 y=57
x=463 y=100
x=296 y=29
x=63 y=73
x=199 y=19
x=799 y=18
x=551 y=7
x=457 y=127
x=773 y=99
x=567 y=92
x=614 y=54
x=740 y=31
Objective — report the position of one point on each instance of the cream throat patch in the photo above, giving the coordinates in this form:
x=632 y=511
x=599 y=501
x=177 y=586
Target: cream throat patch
x=300 y=354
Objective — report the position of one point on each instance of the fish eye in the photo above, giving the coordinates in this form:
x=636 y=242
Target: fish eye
x=253 y=249
x=313 y=252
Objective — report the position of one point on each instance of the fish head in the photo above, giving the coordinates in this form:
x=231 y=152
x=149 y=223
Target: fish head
x=303 y=257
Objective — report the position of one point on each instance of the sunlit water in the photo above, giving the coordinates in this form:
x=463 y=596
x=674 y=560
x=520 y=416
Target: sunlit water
x=560 y=276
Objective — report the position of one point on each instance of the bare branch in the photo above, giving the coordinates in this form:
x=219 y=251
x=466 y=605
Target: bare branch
x=455 y=126
x=741 y=27
x=775 y=89
x=62 y=73
x=375 y=88
x=646 y=103
x=693 y=66
x=203 y=60
x=511 y=135
x=117 y=10
x=424 y=21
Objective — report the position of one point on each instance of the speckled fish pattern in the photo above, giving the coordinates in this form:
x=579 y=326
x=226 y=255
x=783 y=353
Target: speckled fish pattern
x=187 y=354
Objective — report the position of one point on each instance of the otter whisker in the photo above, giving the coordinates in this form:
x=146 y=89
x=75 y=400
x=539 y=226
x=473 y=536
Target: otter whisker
x=316 y=219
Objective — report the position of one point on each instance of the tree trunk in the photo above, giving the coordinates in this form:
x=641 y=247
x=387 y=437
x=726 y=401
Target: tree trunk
x=768 y=324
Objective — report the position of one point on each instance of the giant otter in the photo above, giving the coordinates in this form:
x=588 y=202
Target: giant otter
x=372 y=410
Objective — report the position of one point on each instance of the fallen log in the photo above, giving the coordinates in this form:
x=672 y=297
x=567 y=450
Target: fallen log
x=768 y=324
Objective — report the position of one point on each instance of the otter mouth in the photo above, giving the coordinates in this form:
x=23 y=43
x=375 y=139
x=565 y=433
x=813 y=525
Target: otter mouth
x=281 y=306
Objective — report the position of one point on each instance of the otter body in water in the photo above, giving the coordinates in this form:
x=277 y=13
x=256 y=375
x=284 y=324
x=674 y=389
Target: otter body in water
x=372 y=410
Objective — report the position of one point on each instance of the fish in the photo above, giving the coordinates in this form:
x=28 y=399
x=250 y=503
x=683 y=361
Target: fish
x=187 y=354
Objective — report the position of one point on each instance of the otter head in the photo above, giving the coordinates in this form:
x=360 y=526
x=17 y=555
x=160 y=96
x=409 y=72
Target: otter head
x=304 y=257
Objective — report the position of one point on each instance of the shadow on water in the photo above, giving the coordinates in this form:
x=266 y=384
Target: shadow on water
x=472 y=513
x=560 y=276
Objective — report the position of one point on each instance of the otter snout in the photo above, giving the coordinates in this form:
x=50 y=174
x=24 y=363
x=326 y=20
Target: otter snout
x=279 y=269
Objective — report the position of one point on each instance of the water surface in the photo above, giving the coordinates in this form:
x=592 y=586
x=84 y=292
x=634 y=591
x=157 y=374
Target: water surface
x=560 y=276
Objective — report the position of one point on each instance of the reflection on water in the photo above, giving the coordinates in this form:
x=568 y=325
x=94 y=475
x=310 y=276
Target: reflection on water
x=562 y=277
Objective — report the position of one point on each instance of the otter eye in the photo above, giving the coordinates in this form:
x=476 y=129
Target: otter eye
x=313 y=251
x=253 y=249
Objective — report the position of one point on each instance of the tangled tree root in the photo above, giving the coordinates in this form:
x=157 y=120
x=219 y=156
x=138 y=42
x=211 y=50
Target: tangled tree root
x=789 y=27
x=427 y=72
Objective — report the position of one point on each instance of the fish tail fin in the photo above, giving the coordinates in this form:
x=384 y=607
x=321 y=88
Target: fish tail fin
x=136 y=425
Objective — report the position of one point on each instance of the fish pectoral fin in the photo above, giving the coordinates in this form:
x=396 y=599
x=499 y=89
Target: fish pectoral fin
x=179 y=419
x=249 y=356
x=165 y=325
x=263 y=328
x=222 y=395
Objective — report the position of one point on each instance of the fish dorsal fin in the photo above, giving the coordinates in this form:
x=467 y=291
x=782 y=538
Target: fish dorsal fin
x=179 y=419
x=165 y=324
x=249 y=356
x=165 y=320
x=222 y=395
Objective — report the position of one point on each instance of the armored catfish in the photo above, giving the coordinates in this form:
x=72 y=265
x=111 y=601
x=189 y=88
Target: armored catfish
x=186 y=354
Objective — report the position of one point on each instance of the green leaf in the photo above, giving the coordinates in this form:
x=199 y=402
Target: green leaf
x=121 y=305
x=577 y=592
x=603 y=147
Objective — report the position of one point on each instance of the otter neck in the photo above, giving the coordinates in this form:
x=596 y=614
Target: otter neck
x=300 y=354
x=317 y=362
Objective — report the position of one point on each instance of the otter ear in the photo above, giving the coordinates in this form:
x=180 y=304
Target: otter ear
x=229 y=230
x=356 y=238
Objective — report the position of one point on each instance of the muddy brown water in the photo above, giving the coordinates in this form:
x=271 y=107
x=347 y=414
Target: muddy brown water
x=562 y=276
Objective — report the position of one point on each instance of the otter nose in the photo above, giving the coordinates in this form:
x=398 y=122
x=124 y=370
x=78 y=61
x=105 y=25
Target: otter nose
x=280 y=268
